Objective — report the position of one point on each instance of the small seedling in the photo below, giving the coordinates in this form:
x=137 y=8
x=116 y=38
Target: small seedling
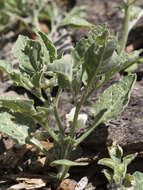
x=93 y=62
x=117 y=176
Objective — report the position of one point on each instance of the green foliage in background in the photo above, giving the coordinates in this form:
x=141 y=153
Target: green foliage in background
x=30 y=12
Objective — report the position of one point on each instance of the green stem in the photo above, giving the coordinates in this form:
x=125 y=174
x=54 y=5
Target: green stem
x=41 y=148
x=50 y=132
x=61 y=128
x=80 y=139
x=85 y=94
x=73 y=95
x=35 y=12
x=64 y=171
x=126 y=28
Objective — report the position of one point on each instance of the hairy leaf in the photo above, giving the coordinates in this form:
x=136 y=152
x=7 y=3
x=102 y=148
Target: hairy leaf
x=123 y=61
x=68 y=163
x=6 y=66
x=119 y=173
x=107 y=162
x=18 y=104
x=116 y=153
x=36 y=79
x=115 y=98
x=129 y=158
x=29 y=54
x=138 y=176
x=136 y=14
x=76 y=18
x=129 y=181
x=64 y=70
x=108 y=175
x=17 y=126
x=48 y=46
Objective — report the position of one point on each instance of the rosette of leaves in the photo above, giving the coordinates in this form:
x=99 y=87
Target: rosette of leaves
x=118 y=177
x=94 y=61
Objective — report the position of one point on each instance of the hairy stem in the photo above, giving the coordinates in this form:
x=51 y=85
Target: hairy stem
x=85 y=94
x=59 y=123
x=50 y=132
x=80 y=139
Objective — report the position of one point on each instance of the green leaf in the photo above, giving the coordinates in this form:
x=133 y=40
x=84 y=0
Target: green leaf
x=64 y=70
x=115 y=98
x=93 y=58
x=132 y=68
x=136 y=14
x=78 y=52
x=101 y=54
x=17 y=126
x=6 y=66
x=68 y=163
x=129 y=181
x=76 y=18
x=108 y=175
x=116 y=153
x=139 y=180
x=48 y=45
x=18 y=104
x=36 y=79
x=139 y=186
x=123 y=61
x=29 y=54
x=129 y=158
x=138 y=177
x=75 y=21
x=96 y=36
x=119 y=173
x=21 y=79
x=43 y=113
x=107 y=162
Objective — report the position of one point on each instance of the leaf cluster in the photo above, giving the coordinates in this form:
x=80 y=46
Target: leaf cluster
x=119 y=178
x=92 y=63
x=30 y=13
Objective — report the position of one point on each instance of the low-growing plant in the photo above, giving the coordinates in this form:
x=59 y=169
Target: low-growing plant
x=93 y=62
x=117 y=176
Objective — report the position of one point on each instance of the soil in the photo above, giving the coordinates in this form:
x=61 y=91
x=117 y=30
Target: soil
x=25 y=168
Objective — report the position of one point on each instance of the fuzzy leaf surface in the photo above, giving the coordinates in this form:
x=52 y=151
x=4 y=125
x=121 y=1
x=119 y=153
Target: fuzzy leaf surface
x=29 y=54
x=139 y=180
x=76 y=18
x=48 y=46
x=17 y=126
x=115 y=98
x=107 y=162
x=116 y=153
x=63 y=70
x=68 y=163
x=119 y=173
x=129 y=158
x=6 y=66
x=18 y=104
